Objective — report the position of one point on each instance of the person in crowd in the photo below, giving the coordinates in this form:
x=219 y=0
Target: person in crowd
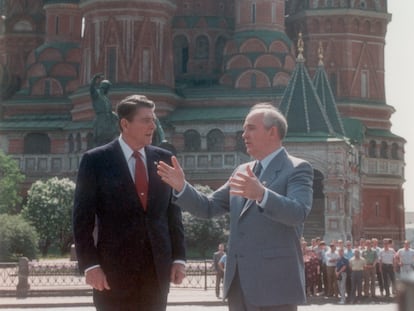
x=348 y=254
x=405 y=259
x=342 y=269
x=356 y=264
x=377 y=266
x=387 y=263
x=139 y=244
x=311 y=269
x=268 y=200
x=371 y=259
x=331 y=258
x=320 y=254
x=219 y=272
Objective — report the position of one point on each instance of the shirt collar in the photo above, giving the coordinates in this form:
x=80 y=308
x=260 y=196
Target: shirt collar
x=127 y=150
x=265 y=162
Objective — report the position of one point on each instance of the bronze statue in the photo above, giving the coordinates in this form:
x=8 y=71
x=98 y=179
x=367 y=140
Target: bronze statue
x=106 y=121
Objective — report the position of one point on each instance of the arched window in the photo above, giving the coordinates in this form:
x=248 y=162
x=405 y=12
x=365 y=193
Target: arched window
x=215 y=140
x=180 y=54
x=395 y=151
x=202 y=47
x=384 y=150
x=36 y=143
x=192 y=140
x=372 y=149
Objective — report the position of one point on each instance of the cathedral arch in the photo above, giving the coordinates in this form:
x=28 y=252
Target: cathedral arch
x=278 y=47
x=23 y=26
x=192 y=141
x=289 y=63
x=268 y=61
x=36 y=143
x=281 y=79
x=48 y=86
x=239 y=61
x=253 y=45
x=253 y=79
x=215 y=140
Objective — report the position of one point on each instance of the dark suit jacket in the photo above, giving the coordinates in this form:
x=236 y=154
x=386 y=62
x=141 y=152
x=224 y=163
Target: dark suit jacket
x=264 y=243
x=126 y=234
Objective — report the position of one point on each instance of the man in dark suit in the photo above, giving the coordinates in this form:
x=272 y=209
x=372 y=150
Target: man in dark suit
x=264 y=267
x=139 y=246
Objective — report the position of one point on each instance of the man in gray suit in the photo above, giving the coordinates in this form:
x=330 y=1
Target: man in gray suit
x=264 y=269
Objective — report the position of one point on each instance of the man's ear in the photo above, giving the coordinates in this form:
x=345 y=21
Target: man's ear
x=124 y=124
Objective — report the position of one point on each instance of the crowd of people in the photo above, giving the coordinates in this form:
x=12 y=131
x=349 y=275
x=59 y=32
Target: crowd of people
x=354 y=272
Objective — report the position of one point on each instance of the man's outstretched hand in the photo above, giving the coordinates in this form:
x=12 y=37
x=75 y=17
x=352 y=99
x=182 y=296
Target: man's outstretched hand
x=172 y=175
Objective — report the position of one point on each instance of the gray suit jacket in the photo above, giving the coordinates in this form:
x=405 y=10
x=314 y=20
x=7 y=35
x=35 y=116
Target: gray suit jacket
x=264 y=243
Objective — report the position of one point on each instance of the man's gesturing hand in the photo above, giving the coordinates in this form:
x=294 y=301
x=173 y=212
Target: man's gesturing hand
x=172 y=175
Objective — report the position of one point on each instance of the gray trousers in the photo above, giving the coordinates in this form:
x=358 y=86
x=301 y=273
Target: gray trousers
x=237 y=301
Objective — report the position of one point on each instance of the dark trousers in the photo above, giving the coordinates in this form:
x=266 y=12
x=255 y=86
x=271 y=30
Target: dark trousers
x=133 y=292
x=388 y=275
x=219 y=278
x=379 y=278
x=356 y=277
x=237 y=301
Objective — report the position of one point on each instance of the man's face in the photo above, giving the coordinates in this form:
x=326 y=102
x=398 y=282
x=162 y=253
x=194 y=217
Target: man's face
x=139 y=131
x=259 y=141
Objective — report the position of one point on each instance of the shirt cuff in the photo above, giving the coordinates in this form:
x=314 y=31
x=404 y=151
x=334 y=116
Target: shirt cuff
x=178 y=194
x=181 y=262
x=92 y=267
x=262 y=203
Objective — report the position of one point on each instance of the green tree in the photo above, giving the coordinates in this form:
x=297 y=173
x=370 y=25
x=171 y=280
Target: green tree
x=17 y=238
x=10 y=181
x=203 y=235
x=49 y=209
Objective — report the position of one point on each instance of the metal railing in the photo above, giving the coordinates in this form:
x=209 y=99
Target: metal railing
x=25 y=276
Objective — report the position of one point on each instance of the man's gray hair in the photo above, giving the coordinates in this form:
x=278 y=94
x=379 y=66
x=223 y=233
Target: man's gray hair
x=272 y=117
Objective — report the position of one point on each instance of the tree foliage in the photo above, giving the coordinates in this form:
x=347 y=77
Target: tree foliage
x=17 y=238
x=203 y=235
x=49 y=209
x=10 y=181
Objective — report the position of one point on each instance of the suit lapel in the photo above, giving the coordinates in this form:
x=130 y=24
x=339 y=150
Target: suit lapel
x=269 y=175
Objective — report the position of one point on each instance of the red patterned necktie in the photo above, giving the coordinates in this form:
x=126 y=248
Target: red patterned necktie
x=141 y=182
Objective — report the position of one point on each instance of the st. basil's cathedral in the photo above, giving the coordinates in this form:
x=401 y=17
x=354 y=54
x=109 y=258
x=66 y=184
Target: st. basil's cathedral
x=204 y=64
